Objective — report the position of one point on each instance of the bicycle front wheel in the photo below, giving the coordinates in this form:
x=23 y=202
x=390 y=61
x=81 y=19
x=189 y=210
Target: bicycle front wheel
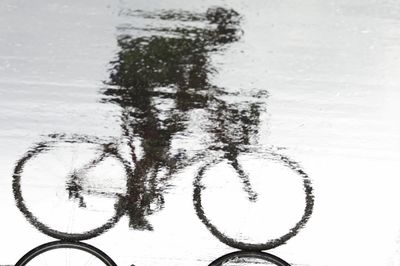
x=62 y=253
x=255 y=201
x=70 y=189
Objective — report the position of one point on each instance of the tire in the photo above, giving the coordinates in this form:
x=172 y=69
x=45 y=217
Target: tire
x=260 y=256
x=248 y=245
x=39 y=150
x=86 y=248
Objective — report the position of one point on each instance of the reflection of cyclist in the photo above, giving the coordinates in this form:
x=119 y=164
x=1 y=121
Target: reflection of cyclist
x=157 y=81
x=145 y=66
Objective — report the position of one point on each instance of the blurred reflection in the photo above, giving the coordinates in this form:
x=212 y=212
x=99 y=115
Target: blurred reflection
x=158 y=80
x=161 y=82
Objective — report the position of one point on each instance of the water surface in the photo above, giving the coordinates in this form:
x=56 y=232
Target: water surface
x=134 y=110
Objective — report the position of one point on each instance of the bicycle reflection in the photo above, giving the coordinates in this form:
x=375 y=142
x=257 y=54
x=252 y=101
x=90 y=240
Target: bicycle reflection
x=158 y=81
x=152 y=72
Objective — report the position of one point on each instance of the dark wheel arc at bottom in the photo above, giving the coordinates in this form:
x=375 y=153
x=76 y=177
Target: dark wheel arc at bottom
x=67 y=245
x=249 y=254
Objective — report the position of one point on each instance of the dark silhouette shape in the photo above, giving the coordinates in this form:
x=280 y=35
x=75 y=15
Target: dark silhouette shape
x=181 y=64
x=171 y=64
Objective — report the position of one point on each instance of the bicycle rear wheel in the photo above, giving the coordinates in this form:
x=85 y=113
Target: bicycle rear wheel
x=245 y=207
x=248 y=258
x=70 y=189
x=62 y=253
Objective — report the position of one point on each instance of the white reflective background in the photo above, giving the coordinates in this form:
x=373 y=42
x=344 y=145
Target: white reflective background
x=331 y=69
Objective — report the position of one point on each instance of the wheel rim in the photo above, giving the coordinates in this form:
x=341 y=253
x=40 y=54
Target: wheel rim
x=272 y=243
x=19 y=199
x=249 y=255
x=95 y=252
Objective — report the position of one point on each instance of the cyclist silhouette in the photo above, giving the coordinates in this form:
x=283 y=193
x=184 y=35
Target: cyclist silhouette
x=159 y=81
x=181 y=63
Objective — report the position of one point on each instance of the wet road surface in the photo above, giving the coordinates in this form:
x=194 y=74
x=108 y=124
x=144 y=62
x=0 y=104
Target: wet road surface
x=171 y=134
